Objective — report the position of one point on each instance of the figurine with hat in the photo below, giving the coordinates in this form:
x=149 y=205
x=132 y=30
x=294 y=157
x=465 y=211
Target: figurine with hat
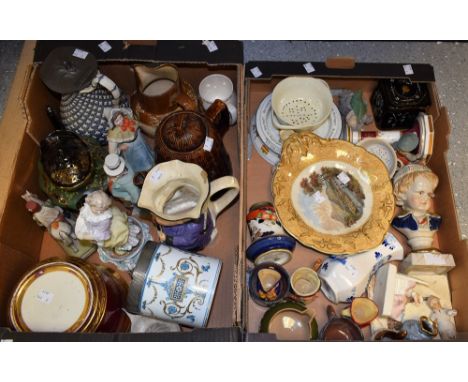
x=413 y=187
x=121 y=184
x=60 y=227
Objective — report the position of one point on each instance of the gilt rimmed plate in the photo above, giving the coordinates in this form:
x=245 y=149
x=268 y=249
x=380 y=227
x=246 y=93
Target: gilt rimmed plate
x=270 y=135
x=331 y=195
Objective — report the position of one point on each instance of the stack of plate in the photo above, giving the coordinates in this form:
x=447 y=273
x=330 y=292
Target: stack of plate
x=266 y=137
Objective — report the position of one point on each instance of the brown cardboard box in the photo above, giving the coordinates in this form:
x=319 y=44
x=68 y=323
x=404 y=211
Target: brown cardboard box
x=341 y=73
x=25 y=124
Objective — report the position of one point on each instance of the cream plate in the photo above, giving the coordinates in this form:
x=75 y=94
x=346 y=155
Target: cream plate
x=260 y=146
x=331 y=195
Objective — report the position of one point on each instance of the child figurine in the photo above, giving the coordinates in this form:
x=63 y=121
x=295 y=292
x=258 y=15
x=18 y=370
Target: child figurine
x=443 y=317
x=413 y=187
x=121 y=184
x=120 y=239
x=125 y=138
x=60 y=227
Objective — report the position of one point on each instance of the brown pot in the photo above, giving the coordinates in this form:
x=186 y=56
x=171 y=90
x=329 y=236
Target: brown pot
x=196 y=138
x=160 y=91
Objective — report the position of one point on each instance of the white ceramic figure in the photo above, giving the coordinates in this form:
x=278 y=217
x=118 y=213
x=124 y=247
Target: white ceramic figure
x=443 y=317
x=60 y=227
x=120 y=238
x=413 y=187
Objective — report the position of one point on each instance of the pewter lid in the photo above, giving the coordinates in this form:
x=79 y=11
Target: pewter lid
x=138 y=277
x=63 y=72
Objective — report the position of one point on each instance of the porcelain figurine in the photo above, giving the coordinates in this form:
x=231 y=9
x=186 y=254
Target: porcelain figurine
x=126 y=138
x=353 y=107
x=120 y=239
x=60 y=227
x=85 y=91
x=121 y=179
x=413 y=187
x=443 y=317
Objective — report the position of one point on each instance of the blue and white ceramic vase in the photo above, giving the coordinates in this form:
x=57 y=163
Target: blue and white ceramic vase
x=174 y=285
x=346 y=277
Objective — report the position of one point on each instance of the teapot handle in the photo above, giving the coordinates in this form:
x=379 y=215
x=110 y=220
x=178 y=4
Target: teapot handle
x=108 y=84
x=219 y=116
x=225 y=182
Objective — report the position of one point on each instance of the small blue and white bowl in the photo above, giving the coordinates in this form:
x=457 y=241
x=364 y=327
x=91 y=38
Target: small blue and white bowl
x=277 y=249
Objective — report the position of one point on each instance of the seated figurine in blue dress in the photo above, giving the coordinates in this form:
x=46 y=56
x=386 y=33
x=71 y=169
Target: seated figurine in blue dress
x=413 y=187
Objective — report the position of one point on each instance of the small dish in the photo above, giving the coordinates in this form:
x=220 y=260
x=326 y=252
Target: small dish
x=383 y=151
x=331 y=195
x=275 y=293
x=277 y=249
x=290 y=321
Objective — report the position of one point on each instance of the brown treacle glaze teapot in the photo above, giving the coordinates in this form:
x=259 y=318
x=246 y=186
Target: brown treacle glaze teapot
x=160 y=91
x=196 y=138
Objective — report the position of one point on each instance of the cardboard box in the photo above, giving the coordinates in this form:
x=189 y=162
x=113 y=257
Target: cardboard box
x=25 y=124
x=260 y=80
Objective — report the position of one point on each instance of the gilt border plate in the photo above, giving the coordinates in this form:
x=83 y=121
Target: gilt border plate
x=321 y=181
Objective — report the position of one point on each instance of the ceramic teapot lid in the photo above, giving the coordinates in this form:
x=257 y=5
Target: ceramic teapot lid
x=65 y=73
x=66 y=158
x=184 y=131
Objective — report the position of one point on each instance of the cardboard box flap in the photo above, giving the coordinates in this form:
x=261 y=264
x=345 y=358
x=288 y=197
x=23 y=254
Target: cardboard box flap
x=268 y=69
x=227 y=52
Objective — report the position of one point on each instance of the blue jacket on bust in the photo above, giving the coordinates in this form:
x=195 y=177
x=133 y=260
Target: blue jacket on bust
x=409 y=222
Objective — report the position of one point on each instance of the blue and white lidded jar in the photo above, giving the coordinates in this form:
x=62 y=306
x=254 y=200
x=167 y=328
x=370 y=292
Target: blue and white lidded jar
x=173 y=285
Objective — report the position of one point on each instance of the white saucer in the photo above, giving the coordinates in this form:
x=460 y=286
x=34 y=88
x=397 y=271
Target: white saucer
x=262 y=149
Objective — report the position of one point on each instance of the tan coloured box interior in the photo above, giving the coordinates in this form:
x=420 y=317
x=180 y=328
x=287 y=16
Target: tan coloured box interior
x=448 y=239
x=23 y=243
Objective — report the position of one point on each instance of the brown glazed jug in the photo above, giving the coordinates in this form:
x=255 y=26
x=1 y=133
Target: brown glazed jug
x=160 y=91
x=196 y=138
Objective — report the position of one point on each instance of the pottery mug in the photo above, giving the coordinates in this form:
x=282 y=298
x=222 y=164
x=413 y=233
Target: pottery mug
x=180 y=197
x=346 y=277
x=305 y=283
x=173 y=285
x=219 y=86
x=269 y=240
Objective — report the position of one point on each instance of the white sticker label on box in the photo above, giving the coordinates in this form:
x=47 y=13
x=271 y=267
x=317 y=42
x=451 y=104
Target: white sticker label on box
x=318 y=197
x=309 y=67
x=80 y=53
x=208 y=144
x=45 y=297
x=343 y=178
x=408 y=69
x=256 y=72
x=211 y=45
x=105 y=46
x=155 y=176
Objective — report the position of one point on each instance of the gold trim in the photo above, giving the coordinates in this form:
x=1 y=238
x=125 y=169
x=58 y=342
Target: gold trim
x=17 y=299
x=303 y=149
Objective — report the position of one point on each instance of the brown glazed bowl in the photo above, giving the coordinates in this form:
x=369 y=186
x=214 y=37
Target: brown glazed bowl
x=339 y=328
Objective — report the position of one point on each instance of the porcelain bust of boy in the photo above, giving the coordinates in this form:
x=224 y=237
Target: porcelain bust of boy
x=413 y=187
